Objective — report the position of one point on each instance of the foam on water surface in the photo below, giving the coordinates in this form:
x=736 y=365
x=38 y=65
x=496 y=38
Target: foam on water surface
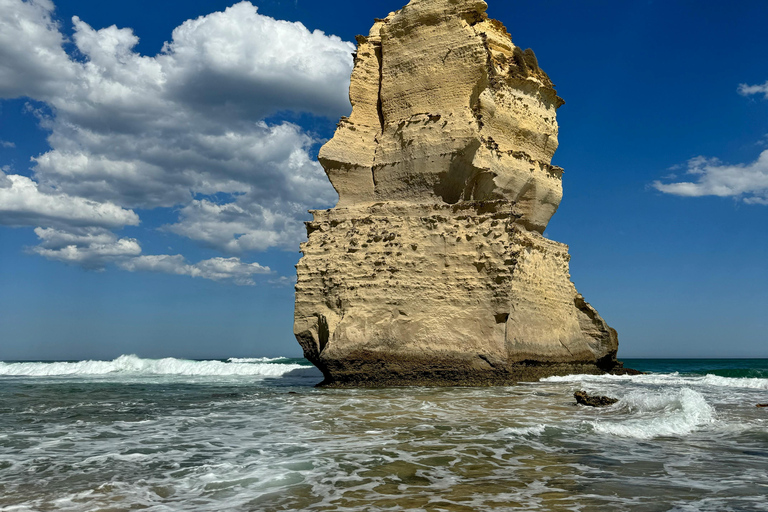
x=242 y=360
x=248 y=443
x=131 y=365
x=646 y=415
x=672 y=379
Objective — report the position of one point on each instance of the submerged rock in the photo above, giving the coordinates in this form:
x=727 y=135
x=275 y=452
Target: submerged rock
x=620 y=370
x=225 y=395
x=593 y=401
x=433 y=268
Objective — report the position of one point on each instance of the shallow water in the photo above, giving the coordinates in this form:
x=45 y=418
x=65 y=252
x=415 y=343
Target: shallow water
x=255 y=434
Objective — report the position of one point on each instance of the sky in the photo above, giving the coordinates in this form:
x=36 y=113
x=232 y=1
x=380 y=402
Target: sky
x=157 y=160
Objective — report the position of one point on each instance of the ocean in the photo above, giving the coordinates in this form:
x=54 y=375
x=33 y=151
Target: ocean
x=256 y=435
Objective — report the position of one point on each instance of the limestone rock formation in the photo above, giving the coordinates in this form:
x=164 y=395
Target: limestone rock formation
x=432 y=269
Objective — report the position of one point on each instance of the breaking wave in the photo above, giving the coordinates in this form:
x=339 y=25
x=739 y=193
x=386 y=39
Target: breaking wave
x=740 y=373
x=256 y=359
x=672 y=413
x=131 y=365
x=669 y=379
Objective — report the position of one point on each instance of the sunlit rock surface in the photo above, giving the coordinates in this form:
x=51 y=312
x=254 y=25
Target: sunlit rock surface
x=432 y=269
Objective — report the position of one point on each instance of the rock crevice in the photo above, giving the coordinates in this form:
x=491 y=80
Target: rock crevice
x=433 y=267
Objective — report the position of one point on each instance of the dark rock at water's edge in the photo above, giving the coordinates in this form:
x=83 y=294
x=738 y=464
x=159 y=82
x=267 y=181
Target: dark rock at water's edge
x=377 y=371
x=626 y=371
x=619 y=369
x=380 y=372
x=583 y=398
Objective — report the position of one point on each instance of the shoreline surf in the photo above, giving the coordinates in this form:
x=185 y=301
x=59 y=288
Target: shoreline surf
x=270 y=440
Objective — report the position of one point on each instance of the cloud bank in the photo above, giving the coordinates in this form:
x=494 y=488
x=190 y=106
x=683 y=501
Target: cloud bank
x=186 y=130
x=711 y=177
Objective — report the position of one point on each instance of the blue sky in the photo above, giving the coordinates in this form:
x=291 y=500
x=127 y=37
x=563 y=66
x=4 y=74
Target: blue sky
x=152 y=194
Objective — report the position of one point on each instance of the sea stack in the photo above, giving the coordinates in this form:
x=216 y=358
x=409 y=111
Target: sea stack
x=433 y=269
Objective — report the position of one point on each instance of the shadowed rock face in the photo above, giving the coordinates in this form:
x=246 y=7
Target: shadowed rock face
x=432 y=268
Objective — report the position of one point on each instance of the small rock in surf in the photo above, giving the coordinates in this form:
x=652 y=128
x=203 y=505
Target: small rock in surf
x=593 y=401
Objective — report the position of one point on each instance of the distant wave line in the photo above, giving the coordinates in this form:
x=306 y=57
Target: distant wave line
x=134 y=365
x=669 y=379
x=244 y=360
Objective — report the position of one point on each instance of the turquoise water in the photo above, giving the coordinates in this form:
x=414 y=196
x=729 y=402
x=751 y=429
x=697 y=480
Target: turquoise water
x=255 y=434
x=736 y=368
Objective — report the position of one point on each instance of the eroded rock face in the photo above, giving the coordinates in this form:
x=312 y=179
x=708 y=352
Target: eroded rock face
x=432 y=268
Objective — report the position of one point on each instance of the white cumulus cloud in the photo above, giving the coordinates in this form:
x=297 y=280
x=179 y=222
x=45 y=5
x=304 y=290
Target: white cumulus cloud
x=748 y=90
x=92 y=248
x=714 y=178
x=32 y=60
x=152 y=132
x=217 y=269
x=22 y=203
x=186 y=130
x=96 y=248
x=239 y=226
x=240 y=63
x=711 y=177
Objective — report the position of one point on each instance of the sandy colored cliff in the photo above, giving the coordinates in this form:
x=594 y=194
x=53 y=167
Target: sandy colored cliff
x=432 y=269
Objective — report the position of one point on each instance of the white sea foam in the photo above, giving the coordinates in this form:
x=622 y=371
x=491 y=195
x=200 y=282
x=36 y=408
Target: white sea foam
x=672 y=413
x=534 y=430
x=668 y=379
x=246 y=360
x=133 y=365
x=358 y=450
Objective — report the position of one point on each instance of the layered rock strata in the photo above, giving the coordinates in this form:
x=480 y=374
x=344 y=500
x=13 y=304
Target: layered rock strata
x=432 y=269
